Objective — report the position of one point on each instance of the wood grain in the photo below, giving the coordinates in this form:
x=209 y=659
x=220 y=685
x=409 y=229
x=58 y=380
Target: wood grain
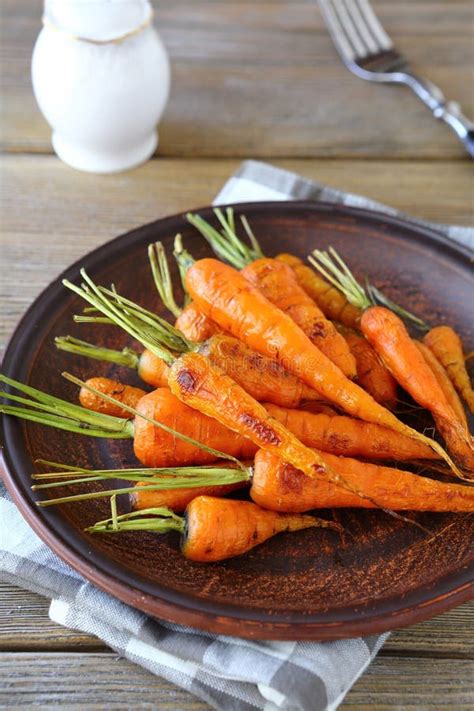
x=390 y=682
x=84 y=210
x=264 y=79
x=25 y=626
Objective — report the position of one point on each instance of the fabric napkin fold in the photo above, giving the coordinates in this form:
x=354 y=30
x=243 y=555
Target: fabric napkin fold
x=228 y=672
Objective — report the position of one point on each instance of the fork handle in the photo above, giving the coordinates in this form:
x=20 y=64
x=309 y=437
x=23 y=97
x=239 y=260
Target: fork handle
x=447 y=111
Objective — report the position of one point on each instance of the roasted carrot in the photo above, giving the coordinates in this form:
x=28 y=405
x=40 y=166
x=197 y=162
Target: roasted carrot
x=349 y=437
x=279 y=486
x=446 y=345
x=238 y=307
x=263 y=378
x=197 y=383
x=213 y=529
x=326 y=430
x=444 y=381
x=372 y=375
x=328 y=298
x=172 y=448
x=123 y=393
x=389 y=337
x=145 y=497
x=173 y=487
x=157 y=448
x=277 y=282
x=195 y=325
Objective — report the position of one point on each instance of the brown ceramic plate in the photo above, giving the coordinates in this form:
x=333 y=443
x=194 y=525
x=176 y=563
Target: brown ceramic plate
x=307 y=585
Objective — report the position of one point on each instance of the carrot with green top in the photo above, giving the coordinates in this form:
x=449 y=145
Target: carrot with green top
x=325 y=430
x=213 y=529
x=388 y=335
x=240 y=308
x=173 y=487
x=278 y=284
x=328 y=298
x=261 y=377
x=203 y=387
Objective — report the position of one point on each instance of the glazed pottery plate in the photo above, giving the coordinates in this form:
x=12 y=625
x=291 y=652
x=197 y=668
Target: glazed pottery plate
x=383 y=573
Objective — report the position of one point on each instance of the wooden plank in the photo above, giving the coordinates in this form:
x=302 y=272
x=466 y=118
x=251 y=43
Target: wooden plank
x=52 y=214
x=25 y=626
x=263 y=79
x=51 y=680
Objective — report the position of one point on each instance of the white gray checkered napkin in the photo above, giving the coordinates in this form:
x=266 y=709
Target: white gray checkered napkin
x=227 y=672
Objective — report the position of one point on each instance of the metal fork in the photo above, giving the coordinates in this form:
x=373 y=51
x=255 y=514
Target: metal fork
x=367 y=50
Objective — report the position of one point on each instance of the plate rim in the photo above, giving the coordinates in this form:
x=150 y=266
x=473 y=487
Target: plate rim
x=454 y=589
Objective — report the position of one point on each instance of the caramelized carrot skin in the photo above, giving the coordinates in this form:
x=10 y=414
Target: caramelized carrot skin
x=328 y=298
x=279 y=486
x=446 y=345
x=372 y=375
x=238 y=307
x=277 y=282
x=222 y=528
x=156 y=448
x=348 y=437
x=443 y=381
x=176 y=499
x=153 y=370
x=388 y=335
x=205 y=388
x=263 y=378
x=125 y=393
x=195 y=325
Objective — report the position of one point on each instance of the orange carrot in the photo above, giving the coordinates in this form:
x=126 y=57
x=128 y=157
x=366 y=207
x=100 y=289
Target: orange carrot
x=348 y=437
x=328 y=298
x=446 y=345
x=157 y=448
x=372 y=375
x=124 y=393
x=205 y=388
x=263 y=378
x=328 y=432
x=195 y=325
x=144 y=497
x=213 y=529
x=443 y=381
x=277 y=282
x=280 y=487
x=238 y=307
x=388 y=335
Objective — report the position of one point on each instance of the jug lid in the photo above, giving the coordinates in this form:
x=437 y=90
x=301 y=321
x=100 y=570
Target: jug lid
x=98 y=20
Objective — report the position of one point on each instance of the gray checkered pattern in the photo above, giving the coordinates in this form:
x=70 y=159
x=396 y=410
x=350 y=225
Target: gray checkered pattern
x=227 y=672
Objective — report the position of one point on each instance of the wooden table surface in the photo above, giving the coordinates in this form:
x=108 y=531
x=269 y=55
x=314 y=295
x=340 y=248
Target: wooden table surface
x=256 y=80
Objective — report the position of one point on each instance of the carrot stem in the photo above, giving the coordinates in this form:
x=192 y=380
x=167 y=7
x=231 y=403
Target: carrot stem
x=159 y=520
x=226 y=244
x=49 y=410
x=126 y=357
x=162 y=277
x=124 y=313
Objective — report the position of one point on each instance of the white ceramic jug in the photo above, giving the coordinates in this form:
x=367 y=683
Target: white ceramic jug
x=101 y=78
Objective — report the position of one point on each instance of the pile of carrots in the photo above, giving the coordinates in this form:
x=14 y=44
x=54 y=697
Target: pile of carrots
x=278 y=379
